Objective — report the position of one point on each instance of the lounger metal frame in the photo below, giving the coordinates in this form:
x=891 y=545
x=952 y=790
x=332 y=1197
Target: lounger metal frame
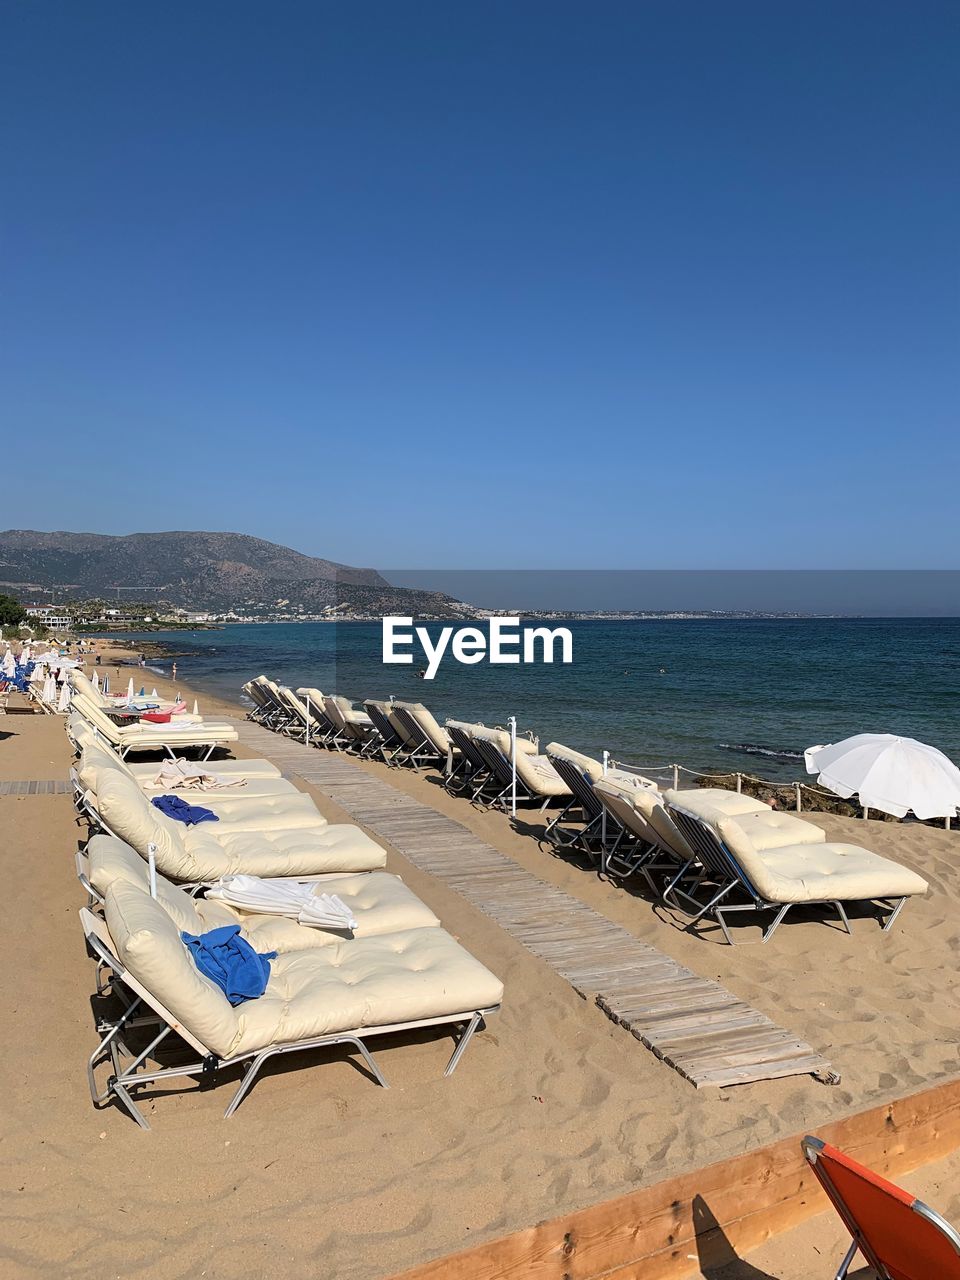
x=812 y=1147
x=501 y=772
x=473 y=773
x=130 y=1075
x=387 y=742
x=589 y=837
x=321 y=730
x=419 y=748
x=722 y=871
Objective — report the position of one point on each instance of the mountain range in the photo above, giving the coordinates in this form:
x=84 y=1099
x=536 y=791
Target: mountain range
x=199 y=571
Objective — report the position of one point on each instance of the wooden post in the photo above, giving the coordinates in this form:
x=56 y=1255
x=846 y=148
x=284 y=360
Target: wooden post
x=799 y=798
x=739 y=783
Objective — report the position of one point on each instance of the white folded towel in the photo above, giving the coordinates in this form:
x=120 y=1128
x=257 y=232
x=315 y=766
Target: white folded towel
x=194 y=777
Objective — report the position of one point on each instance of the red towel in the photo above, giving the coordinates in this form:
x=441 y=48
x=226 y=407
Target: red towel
x=156 y=717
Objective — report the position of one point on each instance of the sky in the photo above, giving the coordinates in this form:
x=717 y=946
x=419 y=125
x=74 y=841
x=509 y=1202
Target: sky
x=667 y=283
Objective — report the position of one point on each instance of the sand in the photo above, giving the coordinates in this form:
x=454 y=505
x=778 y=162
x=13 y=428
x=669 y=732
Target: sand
x=322 y=1174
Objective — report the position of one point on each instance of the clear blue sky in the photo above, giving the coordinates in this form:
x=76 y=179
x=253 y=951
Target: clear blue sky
x=667 y=284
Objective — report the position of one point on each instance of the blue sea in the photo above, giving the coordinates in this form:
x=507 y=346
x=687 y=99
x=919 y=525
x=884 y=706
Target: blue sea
x=714 y=695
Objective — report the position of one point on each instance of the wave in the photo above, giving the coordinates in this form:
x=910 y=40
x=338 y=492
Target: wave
x=755 y=749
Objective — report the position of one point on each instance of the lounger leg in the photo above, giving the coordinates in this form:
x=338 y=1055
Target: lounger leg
x=249 y=1076
x=896 y=911
x=845 y=1264
x=843 y=916
x=473 y=1025
x=776 y=922
x=104 y=1046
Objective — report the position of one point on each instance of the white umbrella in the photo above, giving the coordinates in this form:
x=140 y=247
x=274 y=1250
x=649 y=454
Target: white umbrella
x=281 y=897
x=894 y=775
x=95 y=681
x=130 y=689
x=64 y=704
x=8 y=666
x=49 y=692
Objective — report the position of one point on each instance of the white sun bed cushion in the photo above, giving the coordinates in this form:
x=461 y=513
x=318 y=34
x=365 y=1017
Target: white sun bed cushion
x=288 y=810
x=499 y=736
x=712 y=799
x=642 y=811
x=819 y=872
x=202 y=854
x=153 y=737
x=593 y=769
x=380 y=903
x=363 y=982
x=769 y=829
x=95 y=754
x=261 y=769
x=539 y=776
x=776 y=830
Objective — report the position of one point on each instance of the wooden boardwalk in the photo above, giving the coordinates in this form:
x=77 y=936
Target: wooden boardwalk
x=695 y=1025
x=36 y=787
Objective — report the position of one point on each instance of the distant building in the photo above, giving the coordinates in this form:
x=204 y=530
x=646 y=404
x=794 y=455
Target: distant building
x=48 y=616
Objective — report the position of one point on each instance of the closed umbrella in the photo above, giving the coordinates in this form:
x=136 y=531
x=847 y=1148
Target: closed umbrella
x=63 y=704
x=130 y=689
x=284 y=898
x=8 y=666
x=892 y=774
x=49 y=693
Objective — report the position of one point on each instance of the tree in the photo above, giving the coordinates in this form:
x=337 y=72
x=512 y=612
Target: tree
x=12 y=612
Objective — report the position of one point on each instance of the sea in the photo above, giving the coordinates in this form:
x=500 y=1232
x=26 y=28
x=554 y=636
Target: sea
x=713 y=695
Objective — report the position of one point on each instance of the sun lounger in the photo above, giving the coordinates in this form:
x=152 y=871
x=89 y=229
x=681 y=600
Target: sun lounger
x=284 y=811
x=322 y=730
x=648 y=841
x=898 y=1236
x=86 y=688
x=346 y=993
x=160 y=777
x=472 y=773
x=581 y=773
x=265 y=708
x=354 y=729
x=816 y=873
x=155 y=737
x=82 y=734
x=427 y=742
x=389 y=741
x=537 y=779
x=380 y=903
x=203 y=853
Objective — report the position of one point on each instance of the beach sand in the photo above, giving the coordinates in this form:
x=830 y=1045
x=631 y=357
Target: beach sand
x=322 y=1174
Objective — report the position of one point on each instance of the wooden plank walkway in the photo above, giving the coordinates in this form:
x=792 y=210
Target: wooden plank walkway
x=695 y=1025
x=36 y=787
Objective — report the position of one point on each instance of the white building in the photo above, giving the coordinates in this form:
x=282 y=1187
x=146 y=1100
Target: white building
x=48 y=616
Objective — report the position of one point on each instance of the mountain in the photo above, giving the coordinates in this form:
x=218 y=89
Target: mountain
x=200 y=571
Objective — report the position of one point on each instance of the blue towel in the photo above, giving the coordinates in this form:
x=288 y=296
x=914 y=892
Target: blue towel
x=229 y=960
x=191 y=814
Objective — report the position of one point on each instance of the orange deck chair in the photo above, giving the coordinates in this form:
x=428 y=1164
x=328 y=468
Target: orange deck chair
x=897 y=1234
